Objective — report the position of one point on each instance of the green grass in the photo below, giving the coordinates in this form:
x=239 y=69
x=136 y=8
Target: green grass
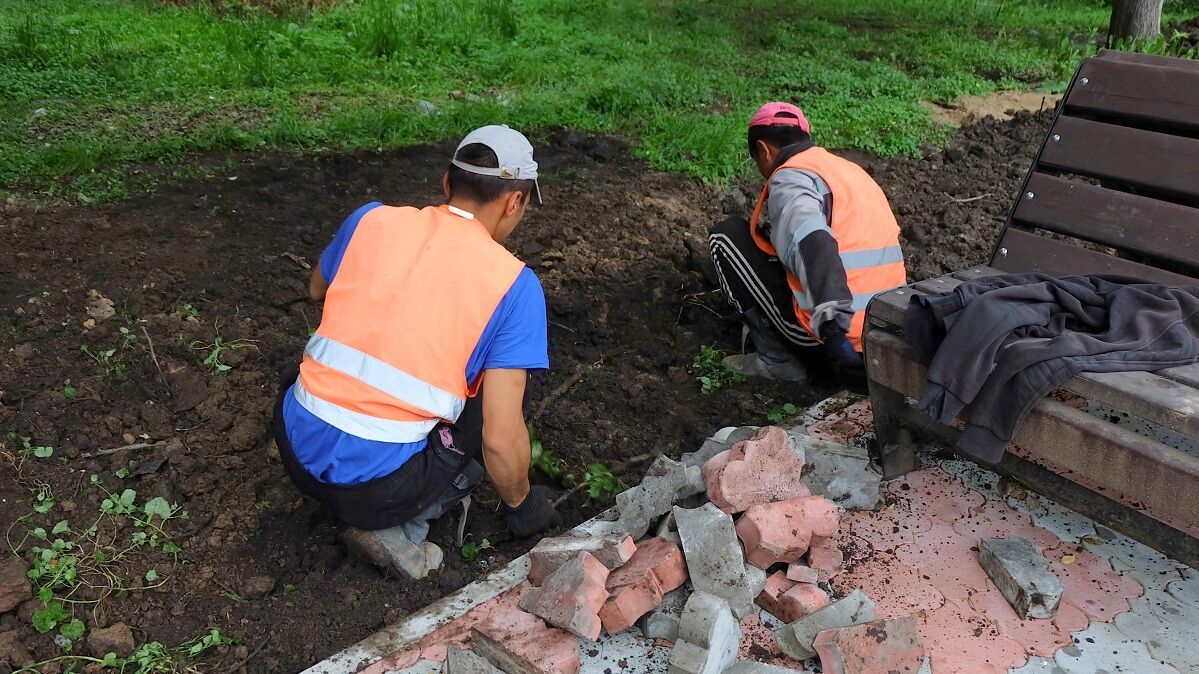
x=89 y=86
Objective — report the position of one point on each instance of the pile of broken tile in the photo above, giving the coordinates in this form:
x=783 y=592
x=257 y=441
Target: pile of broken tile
x=698 y=545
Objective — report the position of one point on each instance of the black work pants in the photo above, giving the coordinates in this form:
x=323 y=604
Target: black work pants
x=428 y=483
x=756 y=285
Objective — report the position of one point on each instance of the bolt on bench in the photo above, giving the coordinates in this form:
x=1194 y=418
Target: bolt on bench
x=1114 y=189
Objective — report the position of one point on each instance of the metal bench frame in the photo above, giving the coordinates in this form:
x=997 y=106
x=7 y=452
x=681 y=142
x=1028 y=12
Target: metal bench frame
x=1114 y=189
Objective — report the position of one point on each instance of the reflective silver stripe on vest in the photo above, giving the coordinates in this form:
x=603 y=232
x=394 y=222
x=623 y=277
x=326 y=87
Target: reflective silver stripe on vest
x=864 y=259
x=860 y=300
x=387 y=378
x=362 y=425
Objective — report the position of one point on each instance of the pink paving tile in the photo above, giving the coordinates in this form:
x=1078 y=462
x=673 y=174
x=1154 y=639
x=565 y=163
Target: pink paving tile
x=936 y=495
x=998 y=520
x=758 y=643
x=886 y=529
x=395 y=661
x=960 y=641
x=1038 y=637
x=860 y=413
x=896 y=588
x=1090 y=582
x=501 y=611
x=947 y=561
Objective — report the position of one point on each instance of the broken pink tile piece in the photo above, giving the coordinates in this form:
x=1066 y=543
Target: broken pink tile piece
x=637 y=587
x=896 y=588
x=888 y=528
x=760 y=470
x=781 y=531
x=936 y=495
x=960 y=641
x=1091 y=584
x=893 y=646
x=612 y=550
x=995 y=519
x=836 y=428
x=770 y=599
x=545 y=651
x=947 y=561
x=789 y=601
x=1038 y=637
x=501 y=611
x=860 y=413
x=802 y=573
x=572 y=596
x=825 y=555
x=395 y=661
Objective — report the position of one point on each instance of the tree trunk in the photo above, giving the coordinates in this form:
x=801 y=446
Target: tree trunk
x=1135 y=20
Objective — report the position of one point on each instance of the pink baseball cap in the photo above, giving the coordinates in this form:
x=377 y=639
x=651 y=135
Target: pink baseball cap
x=780 y=114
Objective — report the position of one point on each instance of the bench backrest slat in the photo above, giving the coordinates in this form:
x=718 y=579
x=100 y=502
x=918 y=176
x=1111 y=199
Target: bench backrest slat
x=1109 y=217
x=1021 y=251
x=1115 y=186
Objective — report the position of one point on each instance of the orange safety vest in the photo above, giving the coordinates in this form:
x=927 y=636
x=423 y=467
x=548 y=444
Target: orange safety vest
x=413 y=293
x=865 y=230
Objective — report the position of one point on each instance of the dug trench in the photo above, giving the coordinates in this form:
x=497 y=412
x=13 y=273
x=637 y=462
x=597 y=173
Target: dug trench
x=197 y=298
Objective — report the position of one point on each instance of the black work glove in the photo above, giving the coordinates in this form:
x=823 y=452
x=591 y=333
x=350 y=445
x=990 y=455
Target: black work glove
x=847 y=363
x=533 y=515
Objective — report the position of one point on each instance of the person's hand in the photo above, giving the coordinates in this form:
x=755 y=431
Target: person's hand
x=847 y=363
x=533 y=515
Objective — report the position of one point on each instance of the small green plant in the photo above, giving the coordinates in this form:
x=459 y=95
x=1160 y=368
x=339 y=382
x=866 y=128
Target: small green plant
x=471 y=550
x=69 y=392
x=106 y=359
x=128 y=339
x=545 y=461
x=187 y=310
x=43 y=498
x=780 y=412
x=152 y=657
x=27 y=449
x=710 y=372
x=601 y=481
x=219 y=346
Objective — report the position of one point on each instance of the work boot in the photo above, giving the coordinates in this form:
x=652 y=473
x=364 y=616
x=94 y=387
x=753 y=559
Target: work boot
x=391 y=549
x=770 y=358
x=753 y=365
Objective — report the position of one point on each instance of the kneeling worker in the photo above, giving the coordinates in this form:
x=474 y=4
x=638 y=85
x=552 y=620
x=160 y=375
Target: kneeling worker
x=415 y=378
x=821 y=243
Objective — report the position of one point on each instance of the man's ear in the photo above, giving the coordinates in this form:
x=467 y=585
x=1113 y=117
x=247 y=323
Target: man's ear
x=445 y=184
x=763 y=149
x=512 y=204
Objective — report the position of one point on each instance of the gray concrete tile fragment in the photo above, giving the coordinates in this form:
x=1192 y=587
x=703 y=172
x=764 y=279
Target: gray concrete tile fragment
x=643 y=504
x=1149 y=567
x=459 y=661
x=1022 y=575
x=707 y=621
x=663 y=622
x=838 y=472
x=751 y=667
x=795 y=640
x=715 y=560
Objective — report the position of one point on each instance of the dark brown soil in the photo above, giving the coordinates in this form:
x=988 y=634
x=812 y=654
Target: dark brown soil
x=620 y=250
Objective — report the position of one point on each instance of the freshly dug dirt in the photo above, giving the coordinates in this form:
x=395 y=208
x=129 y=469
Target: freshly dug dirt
x=620 y=250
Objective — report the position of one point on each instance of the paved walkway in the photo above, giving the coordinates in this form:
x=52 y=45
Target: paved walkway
x=1126 y=608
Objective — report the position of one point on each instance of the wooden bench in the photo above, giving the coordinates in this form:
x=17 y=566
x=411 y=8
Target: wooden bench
x=1114 y=189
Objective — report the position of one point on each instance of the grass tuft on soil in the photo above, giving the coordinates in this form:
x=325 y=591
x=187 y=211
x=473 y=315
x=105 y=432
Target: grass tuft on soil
x=89 y=86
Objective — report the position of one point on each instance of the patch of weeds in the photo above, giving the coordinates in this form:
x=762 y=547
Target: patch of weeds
x=128 y=339
x=152 y=657
x=470 y=549
x=187 y=310
x=73 y=567
x=600 y=481
x=110 y=364
x=218 y=347
x=780 y=412
x=711 y=373
x=545 y=461
x=26 y=449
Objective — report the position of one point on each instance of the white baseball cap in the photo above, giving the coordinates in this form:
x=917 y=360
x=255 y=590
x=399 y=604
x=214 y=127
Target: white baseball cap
x=511 y=148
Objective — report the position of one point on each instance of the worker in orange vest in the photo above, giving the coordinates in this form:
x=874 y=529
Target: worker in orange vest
x=821 y=243
x=413 y=384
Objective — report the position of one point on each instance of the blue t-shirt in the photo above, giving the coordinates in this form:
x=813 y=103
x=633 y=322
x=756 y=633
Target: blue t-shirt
x=515 y=338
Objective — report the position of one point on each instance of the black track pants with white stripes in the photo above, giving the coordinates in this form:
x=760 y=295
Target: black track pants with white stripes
x=752 y=279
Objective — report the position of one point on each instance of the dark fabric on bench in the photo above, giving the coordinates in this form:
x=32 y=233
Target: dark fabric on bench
x=1001 y=343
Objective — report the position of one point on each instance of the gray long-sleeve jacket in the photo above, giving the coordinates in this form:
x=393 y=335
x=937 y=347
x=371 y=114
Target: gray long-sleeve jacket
x=1001 y=343
x=798 y=211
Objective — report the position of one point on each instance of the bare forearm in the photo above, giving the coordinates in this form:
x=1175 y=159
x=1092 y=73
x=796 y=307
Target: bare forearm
x=506 y=453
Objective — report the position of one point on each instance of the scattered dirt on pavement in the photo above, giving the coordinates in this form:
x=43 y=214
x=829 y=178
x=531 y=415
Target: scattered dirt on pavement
x=218 y=264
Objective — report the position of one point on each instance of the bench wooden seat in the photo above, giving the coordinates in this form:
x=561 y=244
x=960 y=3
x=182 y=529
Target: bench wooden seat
x=1113 y=190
